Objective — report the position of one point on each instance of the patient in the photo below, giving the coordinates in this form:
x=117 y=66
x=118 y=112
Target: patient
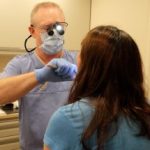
x=107 y=108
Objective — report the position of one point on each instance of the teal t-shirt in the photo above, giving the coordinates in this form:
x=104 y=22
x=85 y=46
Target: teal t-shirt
x=67 y=124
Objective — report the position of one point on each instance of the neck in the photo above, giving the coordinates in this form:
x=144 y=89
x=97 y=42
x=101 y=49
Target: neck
x=45 y=57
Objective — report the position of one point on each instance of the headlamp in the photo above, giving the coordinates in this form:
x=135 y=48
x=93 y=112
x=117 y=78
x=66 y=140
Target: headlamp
x=59 y=27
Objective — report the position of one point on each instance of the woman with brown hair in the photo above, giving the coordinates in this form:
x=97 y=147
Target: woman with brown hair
x=107 y=108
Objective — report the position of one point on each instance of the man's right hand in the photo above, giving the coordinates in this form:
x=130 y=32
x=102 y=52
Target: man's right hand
x=58 y=69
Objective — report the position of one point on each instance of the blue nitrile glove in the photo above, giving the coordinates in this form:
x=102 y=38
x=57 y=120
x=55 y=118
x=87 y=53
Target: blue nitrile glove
x=57 y=70
x=64 y=68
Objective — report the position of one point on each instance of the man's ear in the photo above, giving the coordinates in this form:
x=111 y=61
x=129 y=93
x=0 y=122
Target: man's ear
x=31 y=30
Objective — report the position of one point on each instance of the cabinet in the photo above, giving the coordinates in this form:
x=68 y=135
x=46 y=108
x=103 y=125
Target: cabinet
x=9 y=131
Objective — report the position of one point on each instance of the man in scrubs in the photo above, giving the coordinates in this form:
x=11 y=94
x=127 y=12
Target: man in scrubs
x=37 y=106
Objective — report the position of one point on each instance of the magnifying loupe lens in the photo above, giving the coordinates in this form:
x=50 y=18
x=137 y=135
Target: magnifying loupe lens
x=58 y=27
x=50 y=32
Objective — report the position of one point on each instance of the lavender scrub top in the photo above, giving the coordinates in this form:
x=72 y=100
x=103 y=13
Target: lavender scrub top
x=38 y=105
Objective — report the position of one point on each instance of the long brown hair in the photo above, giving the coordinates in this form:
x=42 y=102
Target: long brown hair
x=111 y=72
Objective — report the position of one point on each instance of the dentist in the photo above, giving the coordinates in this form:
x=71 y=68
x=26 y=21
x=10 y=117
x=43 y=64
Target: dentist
x=47 y=27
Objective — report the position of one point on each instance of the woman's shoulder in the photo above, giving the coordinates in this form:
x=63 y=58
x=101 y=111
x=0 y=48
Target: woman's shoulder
x=78 y=113
x=77 y=107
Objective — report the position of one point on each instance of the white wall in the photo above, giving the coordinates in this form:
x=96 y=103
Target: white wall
x=132 y=16
x=15 y=19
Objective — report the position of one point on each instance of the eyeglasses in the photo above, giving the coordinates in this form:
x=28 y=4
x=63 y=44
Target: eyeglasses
x=51 y=26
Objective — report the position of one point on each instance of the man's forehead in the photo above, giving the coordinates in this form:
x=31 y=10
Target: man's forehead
x=49 y=11
x=49 y=15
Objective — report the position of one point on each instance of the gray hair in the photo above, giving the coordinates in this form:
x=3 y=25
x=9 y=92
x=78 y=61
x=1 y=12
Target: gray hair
x=44 y=5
